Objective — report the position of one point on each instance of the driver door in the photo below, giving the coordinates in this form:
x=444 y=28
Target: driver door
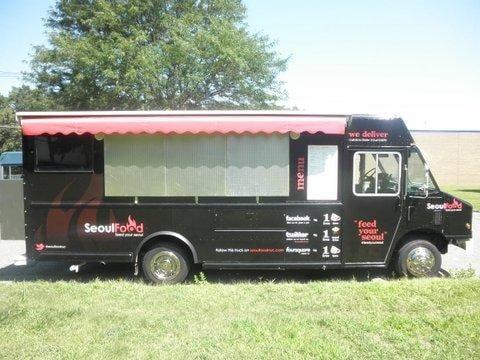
x=373 y=203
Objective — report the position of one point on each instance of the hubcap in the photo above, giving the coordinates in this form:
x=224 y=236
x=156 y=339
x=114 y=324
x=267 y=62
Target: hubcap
x=420 y=261
x=165 y=265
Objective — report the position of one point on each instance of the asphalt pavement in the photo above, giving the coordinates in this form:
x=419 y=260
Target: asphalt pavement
x=455 y=260
x=459 y=259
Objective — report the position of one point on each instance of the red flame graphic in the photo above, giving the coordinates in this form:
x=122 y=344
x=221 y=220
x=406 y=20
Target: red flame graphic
x=132 y=224
x=39 y=247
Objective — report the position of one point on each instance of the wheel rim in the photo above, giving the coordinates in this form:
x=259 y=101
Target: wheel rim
x=420 y=261
x=165 y=265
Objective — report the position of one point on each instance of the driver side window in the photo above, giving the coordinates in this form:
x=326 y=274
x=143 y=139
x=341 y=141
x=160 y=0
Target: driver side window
x=376 y=173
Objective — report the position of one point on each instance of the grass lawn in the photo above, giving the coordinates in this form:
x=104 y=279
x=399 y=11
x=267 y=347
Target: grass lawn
x=435 y=318
x=470 y=195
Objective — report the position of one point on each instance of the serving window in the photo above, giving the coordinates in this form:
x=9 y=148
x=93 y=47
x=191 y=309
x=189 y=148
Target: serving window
x=376 y=173
x=72 y=153
x=197 y=165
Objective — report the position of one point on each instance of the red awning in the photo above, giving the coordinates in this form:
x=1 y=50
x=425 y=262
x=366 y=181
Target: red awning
x=181 y=122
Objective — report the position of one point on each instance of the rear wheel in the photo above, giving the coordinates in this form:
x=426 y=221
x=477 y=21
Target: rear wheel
x=166 y=264
x=419 y=258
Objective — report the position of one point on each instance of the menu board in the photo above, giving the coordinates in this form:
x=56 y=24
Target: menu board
x=322 y=172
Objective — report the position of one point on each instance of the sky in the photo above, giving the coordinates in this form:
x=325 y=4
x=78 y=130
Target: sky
x=416 y=59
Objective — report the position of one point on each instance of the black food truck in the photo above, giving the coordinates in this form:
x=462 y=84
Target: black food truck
x=244 y=190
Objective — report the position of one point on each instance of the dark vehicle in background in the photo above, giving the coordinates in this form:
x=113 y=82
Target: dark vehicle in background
x=241 y=190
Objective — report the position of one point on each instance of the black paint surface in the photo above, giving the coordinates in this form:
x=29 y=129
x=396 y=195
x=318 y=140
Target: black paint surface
x=240 y=232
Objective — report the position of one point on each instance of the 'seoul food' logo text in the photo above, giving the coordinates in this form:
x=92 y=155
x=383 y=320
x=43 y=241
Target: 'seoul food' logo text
x=131 y=228
x=453 y=206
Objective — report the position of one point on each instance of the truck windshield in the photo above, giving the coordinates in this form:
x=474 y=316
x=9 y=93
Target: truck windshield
x=416 y=179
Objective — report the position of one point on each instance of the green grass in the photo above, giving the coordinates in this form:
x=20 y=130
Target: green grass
x=470 y=195
x=398 y=319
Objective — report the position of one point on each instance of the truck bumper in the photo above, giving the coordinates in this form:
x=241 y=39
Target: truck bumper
x=461 y=243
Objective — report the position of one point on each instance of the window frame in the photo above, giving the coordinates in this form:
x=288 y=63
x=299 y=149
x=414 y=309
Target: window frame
x=376 y=174
x=35 y=159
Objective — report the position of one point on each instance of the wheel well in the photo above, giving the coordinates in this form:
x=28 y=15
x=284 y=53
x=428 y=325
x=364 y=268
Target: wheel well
x=436 y=238
x=155 y=240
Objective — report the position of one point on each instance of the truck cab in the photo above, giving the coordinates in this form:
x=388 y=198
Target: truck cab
x=401 y=216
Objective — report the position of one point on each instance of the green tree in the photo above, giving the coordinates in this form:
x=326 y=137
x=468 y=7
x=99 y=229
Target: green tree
x=9 y=130
x=19 y=99
x=156 y=54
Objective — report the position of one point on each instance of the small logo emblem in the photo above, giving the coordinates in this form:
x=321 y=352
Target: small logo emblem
x=335 y=217
x=39 y=247
x=334 y=250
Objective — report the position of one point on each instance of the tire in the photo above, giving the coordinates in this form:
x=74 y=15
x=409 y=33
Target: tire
x=418 y=258
x=165 y=264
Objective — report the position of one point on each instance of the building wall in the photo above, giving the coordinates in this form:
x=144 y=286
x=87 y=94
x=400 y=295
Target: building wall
x=454 y=157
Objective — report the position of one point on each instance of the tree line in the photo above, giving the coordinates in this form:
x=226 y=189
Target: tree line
x=146 y=55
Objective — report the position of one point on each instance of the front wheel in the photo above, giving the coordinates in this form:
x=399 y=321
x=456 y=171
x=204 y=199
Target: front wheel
x=419 y=258
x=165 y=264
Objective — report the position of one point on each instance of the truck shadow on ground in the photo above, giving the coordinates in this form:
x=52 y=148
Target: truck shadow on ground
x=54 y=271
